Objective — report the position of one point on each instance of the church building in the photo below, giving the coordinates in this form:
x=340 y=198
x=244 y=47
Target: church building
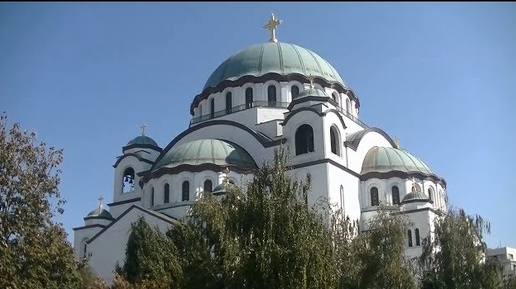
x=261 y=98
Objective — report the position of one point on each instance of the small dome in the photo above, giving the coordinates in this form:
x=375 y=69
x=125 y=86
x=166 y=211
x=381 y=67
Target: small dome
x=142 y=140
x=222 y=188
x=386 y=159
x=99 y=212
x=415 y=196
x=213 y=151
x=312 y=92
x=273 y=57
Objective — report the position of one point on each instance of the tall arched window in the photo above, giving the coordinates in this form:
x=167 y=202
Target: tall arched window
x=208 y=186
x=186 y=191
x=166 y=195
x=249 y=97
x=342 y=199
x=294 y=91
x=335 y=97
x=271 y=95
x=304 y=139
x=334 y=141
x=418 y=241
x=430 y=194
x=212 y=108
x=348 y=106
x=409 y=235
x=128 y=181
x=395 y=195
x=152 y=197
x=229 y=102
x=200 y=111
x=374 y=196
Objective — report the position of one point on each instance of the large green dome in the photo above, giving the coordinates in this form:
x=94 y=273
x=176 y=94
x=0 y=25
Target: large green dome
x=212 y=151
x=386 y=159
x=273 y=57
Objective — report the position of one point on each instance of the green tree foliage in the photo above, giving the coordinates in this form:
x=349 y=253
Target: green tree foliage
x=34 y=252
x=454 y=257
x=151 y=257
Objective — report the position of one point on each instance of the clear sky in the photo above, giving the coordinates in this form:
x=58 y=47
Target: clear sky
x=440 y=76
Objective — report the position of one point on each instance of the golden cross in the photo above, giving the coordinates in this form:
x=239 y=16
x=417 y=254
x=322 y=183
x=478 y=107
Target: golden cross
x=100 y=202
x=143 y=126
x=226 y=176
x=397 y=142
x=271 y=26
x=414 y=188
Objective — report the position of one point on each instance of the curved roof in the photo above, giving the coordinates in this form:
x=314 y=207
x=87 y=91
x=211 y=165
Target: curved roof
x=415 y=196
x=312 y=92
x=142 y=140
x=202 y=151
x=386 y=159
x=99 y=212
x=273 y=57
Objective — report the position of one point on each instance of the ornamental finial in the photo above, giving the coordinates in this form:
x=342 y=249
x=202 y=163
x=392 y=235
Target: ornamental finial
x=271 y=26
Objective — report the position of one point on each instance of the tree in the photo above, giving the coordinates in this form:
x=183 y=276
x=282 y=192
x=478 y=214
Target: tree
x=455 y=256
x=151 y=258
x=265 y=236
x=34 y=252
x=374 y=258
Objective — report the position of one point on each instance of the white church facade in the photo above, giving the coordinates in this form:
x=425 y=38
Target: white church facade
x=264 y=97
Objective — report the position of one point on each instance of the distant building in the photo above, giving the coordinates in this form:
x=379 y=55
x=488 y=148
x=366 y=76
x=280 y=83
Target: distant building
x=263 y=97
x=504 y=255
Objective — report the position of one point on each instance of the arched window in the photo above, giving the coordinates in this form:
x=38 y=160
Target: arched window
x=166 y=195
x=348 y=106
x=208 y=186
x=374 y=196
x=212 y=108
x=200 y=111
x=409 y=235
x=128 y=181
x=334 y=141
x=186 y=191
x=342 y=199
x=152 y=197
x=84 y=247
x=304 y=139
x=335 y=97
x=395 y=195
x=229 y=102
x=249 y=97
x=430 y=194
x=418 y=241
x=271 y=95
x=294 y=91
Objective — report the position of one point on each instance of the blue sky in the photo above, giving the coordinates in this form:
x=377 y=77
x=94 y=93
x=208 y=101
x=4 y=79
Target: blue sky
x=440 y=76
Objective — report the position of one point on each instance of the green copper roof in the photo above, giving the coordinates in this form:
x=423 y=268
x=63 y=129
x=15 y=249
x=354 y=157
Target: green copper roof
x=414 y=196
x=386 y=159
x=99 y=212
x=312 y=92
x=203 y=151
x=273 y=57
x=142 y=140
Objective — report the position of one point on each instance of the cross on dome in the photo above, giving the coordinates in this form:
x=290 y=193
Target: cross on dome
x=100 y=202
x=143 y=126
x=271 y=26
x=414 y=188
x=397 y=142
x=311 y=79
